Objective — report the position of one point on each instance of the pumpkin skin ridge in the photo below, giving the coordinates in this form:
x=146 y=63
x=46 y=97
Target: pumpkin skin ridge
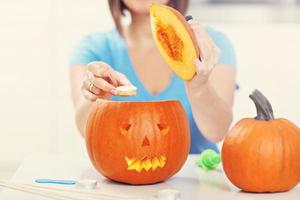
x=277 y=129
x=187 y=140
x=89 y=136
x=230 y=176
x=261 y=159
x=185 y=69
x=289 y=125
x=277 y=179
x=91 y=149
x=157 y=173
x=285 y=166
x=174 y=171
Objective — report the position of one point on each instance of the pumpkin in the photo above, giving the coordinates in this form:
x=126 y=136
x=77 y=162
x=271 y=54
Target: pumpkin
x=137 y=142
x=262 y=154
x=175 y=40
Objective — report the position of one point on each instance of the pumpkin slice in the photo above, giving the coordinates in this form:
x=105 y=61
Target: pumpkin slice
x=126 y=90
x=175 y=40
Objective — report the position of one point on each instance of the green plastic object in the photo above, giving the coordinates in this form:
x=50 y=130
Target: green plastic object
x=208 y=160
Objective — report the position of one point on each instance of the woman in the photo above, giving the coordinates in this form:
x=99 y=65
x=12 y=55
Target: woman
x=128 y=55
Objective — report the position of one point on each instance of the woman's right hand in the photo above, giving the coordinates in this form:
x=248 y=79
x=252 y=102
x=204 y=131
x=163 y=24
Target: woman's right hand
x=101 y=81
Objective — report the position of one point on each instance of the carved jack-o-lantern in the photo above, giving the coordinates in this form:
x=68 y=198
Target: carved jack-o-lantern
x=137 y=142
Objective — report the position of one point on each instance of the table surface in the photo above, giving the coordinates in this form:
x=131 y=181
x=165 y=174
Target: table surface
x=192 y=182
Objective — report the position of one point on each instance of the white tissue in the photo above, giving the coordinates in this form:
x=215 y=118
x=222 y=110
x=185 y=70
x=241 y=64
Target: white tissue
x=87 y=184
x=169 y=194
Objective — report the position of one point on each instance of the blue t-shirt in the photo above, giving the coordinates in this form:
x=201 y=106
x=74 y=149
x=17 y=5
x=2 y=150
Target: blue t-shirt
x=111 y=48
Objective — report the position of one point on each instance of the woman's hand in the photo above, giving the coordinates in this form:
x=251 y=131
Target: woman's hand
x=101 y=81
x=209 y=53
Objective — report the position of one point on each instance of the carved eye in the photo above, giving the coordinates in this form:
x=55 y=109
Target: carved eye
x=164 y=129
x=124 y=129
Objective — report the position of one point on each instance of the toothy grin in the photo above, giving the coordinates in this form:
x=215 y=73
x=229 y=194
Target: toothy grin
x=145 y=163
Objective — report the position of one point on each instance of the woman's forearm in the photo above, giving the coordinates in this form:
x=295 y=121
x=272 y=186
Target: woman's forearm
x=210 y=91
x=82 y=113
x=212 y=114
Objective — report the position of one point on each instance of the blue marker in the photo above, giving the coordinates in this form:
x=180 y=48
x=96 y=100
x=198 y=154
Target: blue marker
x=51 y=181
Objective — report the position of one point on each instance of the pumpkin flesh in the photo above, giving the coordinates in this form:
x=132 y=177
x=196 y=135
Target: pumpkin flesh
x=175 y=40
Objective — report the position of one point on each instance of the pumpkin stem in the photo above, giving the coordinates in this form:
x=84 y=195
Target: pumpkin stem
x=263 y=107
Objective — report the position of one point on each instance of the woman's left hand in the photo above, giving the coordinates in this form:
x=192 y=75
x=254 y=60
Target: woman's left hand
x=209 y=54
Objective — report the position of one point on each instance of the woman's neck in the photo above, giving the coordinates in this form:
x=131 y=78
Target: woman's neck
x=139 y=28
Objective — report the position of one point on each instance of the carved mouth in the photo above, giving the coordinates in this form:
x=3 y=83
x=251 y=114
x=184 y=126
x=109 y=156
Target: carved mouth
x=145 y=163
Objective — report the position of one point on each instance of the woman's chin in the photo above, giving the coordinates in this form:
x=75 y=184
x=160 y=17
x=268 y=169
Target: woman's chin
x=142 y=7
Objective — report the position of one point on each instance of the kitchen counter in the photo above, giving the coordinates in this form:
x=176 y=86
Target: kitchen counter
x=192 y=182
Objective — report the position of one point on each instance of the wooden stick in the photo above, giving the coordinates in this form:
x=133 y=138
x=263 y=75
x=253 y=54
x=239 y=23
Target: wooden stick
x=62 y=194
x=80 y=191
x=36 y=192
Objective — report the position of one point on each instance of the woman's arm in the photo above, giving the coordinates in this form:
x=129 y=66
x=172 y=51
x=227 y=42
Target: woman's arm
x=212 y=103
x=81 y=104
x=211 y=91
x=89 y=82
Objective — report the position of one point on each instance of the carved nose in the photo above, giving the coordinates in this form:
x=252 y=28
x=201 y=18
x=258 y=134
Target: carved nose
x=145 y=142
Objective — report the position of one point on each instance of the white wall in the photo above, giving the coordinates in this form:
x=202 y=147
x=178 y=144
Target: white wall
x=36 y=36
x=268 y=59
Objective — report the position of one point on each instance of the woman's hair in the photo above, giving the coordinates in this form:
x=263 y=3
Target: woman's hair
x=117 y=8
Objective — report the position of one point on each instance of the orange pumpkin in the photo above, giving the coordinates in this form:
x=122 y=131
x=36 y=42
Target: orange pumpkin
x=137 y=142
x=262 y=154
x=175 y=40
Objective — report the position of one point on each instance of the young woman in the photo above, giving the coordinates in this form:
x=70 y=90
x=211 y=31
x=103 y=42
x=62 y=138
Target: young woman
x=128 y=55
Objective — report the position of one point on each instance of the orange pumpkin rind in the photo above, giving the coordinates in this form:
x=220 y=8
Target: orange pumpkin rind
x=137 y=142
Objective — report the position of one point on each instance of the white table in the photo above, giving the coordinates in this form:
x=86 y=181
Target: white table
x=191 y=181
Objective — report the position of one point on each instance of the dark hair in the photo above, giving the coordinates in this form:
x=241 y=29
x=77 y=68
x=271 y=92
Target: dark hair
x=117 y=8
